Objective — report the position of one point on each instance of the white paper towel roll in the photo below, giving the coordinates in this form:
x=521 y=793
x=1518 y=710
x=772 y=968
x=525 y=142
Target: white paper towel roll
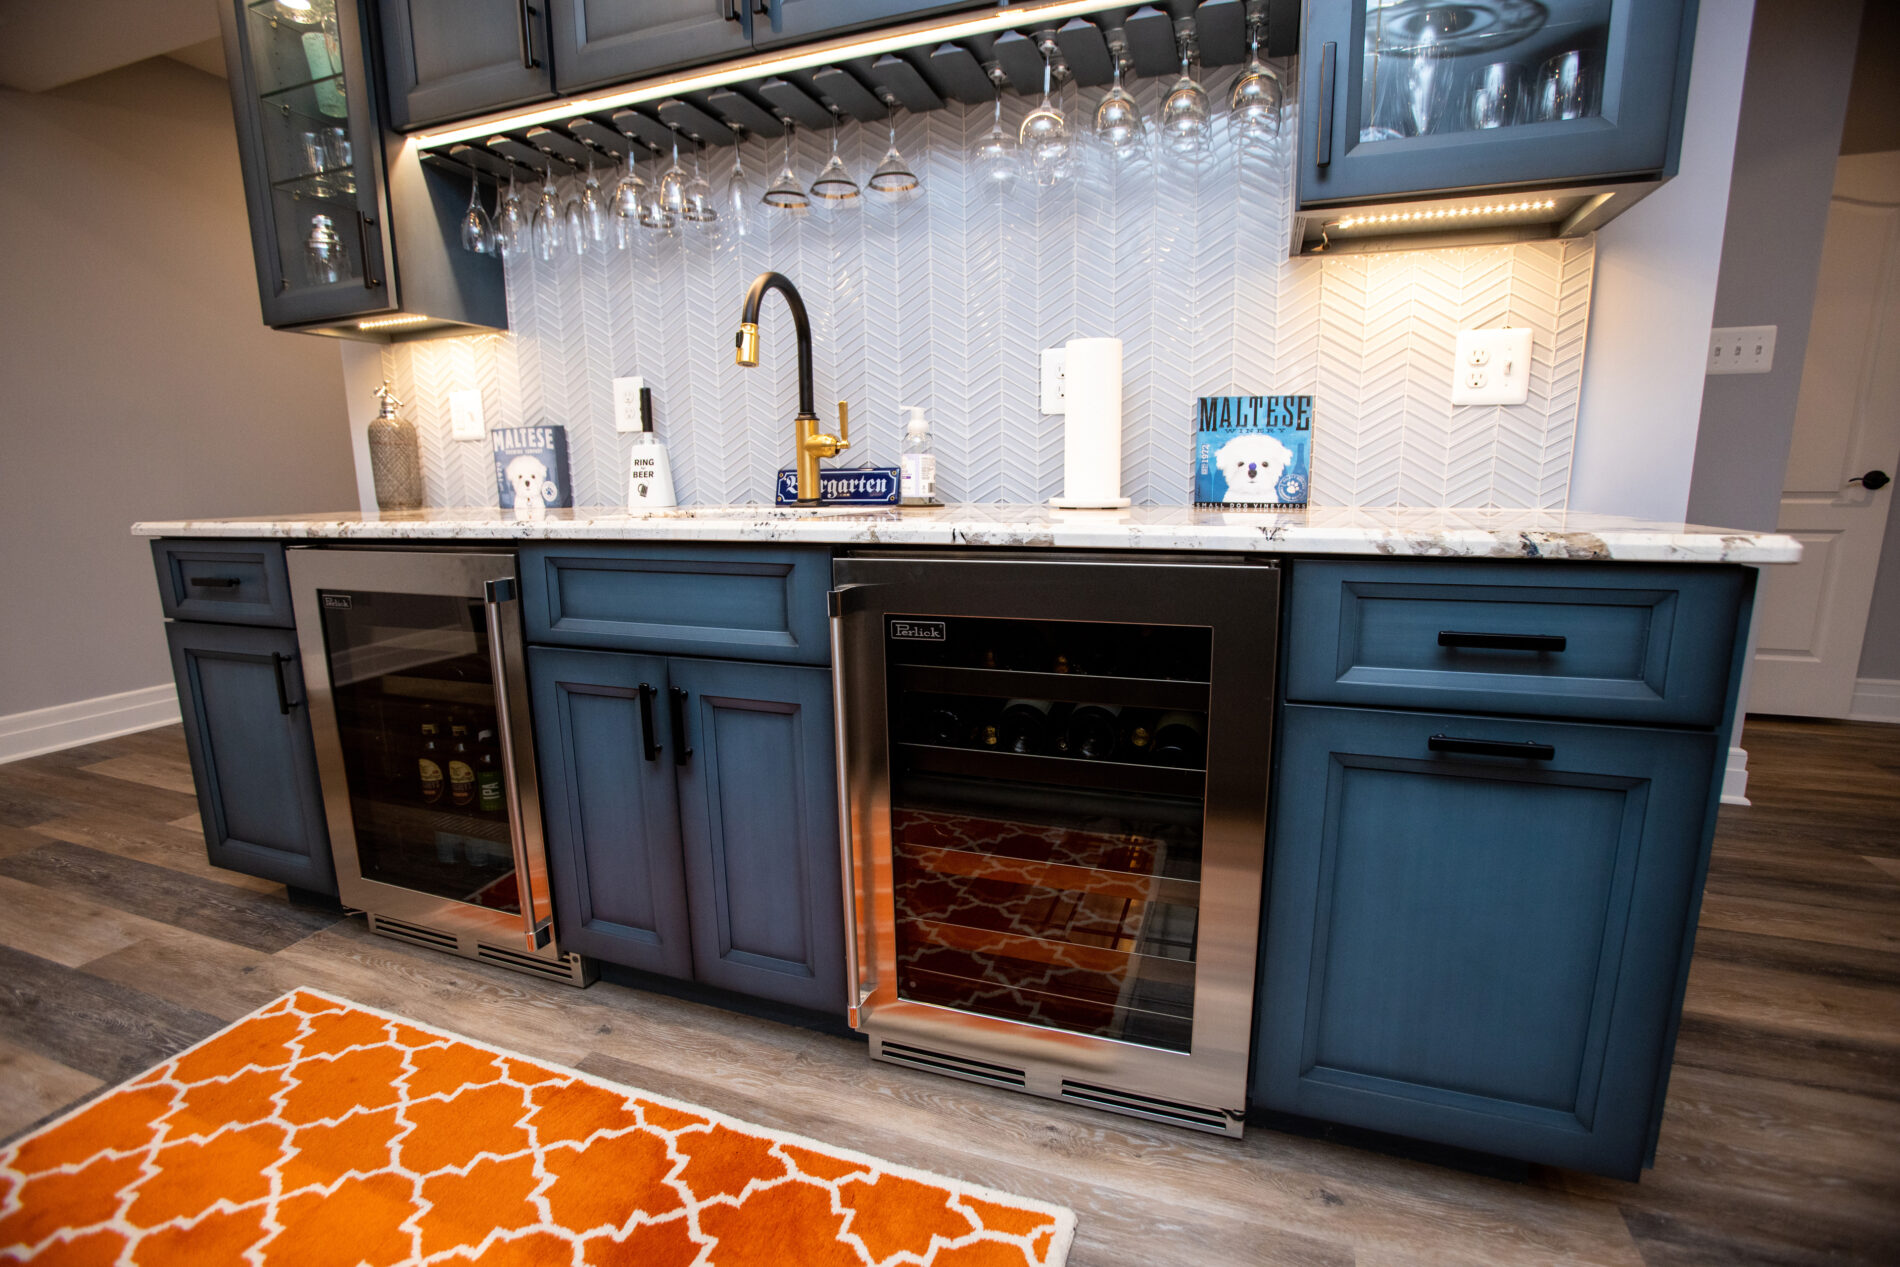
x=1092 y=434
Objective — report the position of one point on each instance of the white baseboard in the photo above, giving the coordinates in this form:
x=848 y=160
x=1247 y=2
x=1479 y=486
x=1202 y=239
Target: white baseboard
x=1735 y=778
x=1875 y=699
x=86 y=721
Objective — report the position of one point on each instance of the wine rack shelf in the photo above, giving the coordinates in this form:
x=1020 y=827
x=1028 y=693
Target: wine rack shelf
x=1116 y=776
x=1071 y=688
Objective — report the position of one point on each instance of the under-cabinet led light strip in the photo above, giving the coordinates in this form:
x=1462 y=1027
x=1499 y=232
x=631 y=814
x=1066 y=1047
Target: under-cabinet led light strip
x=1006 y=19
x=1444 y=214
x=384 y=323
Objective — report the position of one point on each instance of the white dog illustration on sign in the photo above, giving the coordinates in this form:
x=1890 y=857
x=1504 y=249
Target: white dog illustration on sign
x=1252 y=466
x=529 y=475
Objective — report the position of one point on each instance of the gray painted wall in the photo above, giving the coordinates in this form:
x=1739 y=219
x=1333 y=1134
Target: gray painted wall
x=1794 y=99
x=140 y=382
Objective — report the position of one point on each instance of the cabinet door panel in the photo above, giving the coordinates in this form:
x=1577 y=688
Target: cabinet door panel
x=252 y=757
x=1474 y=949
x=603 y=41
x=796 y=21
x=612 y=821
x=448 y=59
x=759 y=814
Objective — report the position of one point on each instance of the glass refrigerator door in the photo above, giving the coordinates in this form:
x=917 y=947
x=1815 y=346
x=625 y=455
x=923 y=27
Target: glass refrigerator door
x=414 y=696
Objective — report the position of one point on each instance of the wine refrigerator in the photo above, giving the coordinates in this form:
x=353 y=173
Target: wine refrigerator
x=419 y=708
x=1053 y=801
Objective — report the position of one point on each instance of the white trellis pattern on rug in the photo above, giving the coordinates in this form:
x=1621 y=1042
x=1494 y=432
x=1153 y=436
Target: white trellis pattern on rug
x=945 y=302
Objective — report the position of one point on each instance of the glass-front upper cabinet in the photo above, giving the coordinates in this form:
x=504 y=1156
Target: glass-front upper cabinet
x=1418 y=97
x=309 y=139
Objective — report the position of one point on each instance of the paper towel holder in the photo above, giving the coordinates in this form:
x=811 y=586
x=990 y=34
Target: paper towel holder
x=1092 y=427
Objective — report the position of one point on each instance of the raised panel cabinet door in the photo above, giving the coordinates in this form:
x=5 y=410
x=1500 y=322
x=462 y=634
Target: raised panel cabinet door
x=604 y=757
x=247 y=731
x=797 y=21
x=1479 y=949
x=757 y=774
x=604 y=41
x=448 y=59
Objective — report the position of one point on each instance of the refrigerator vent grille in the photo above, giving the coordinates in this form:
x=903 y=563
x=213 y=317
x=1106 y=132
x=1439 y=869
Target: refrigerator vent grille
x=1170 y=1111
x=955 y=1066
x=562 y=969
x=412 y=933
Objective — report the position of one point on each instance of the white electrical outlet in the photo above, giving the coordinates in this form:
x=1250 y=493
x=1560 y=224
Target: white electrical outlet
x=1741 y=349
x=465 y=416
x=1055 y=384
x=627 y=403
x=1492 y=367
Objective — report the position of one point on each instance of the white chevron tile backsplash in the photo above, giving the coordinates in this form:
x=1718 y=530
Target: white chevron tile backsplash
x=946 y=302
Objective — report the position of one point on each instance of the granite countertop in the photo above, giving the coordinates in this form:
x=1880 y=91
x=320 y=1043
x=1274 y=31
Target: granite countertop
x=1395 y=531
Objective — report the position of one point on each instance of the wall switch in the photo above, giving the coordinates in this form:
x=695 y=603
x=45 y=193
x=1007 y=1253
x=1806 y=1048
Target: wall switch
x=1741 y=349
x=1492 y=367
x=629 y=407
x=465 y=416
x=1055 y=389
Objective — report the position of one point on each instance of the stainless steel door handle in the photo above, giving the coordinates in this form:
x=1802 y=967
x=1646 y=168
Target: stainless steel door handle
x=855 y=991
x=495 y=595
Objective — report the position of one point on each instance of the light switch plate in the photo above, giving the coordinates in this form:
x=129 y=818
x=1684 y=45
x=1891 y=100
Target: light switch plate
x=1055 y=396
x=1492 y=367
x=627 y=403
x=1742 y=349
x=465 y=416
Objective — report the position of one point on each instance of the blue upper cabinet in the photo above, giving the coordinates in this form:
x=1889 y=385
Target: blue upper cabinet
x=782 y=22
x=447 y=59
x=599 y=42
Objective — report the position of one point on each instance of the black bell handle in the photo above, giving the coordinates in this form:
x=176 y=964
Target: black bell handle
x=1873 y=481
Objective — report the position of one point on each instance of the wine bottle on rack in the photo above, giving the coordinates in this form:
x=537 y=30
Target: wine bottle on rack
x=939 y=721
x=1136 y=734
x=429 y=763
x=1093 y=732
x=1180 y=740
x=461 y=767
x=1024 y=727
x=489 y=797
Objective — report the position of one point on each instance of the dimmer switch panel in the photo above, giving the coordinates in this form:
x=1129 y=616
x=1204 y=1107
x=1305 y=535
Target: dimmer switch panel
x=1492 y=367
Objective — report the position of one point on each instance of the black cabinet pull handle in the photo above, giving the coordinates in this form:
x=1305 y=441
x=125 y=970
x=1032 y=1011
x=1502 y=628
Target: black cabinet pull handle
x=1528 y=749
x=1501 y=641
x=528 y=60
x=681 y=752
x=363 y=226
x=1873 y=481
x=775 y=11
x=1323 y=139
x=277 y=659
x=646 y=723
x=214 y=582
x=740 y=11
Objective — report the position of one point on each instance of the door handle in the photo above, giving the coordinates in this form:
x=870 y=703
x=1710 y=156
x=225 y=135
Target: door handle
x=1873 y=481
x=528 y=60
x=1527 y=749
x=646 y=722
x=1501 y=641
x=740 y=11
x=1323 y=139
x=775 y=12
x=363 y=226
x=277 y=659
x=495 y=594
x=682 y=753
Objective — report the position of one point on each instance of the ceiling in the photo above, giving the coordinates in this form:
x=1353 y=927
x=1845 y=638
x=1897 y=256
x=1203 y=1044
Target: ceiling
x=44 y=45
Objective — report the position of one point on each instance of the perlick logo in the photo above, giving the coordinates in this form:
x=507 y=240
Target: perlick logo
x=340 y=602
x=918 y=631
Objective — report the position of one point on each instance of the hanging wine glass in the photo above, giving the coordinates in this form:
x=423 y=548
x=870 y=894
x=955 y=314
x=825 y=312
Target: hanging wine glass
x=574 y=216
x=834 y=184
x=785 y=193
x=624 y=203
x=893 y=180
x=511 y=223
x=546 y=224
x=1184 y=115
x=735 y=200
x=593 y=206
x=1118 y=125
x=997 y=159
x=700 y=208
x=1254 y=104
x=478 y=235
x=1045 y=136
x=672 y=188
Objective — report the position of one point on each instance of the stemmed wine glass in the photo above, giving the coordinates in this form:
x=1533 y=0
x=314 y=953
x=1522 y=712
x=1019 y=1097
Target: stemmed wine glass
x=734 y=198
x=593 y=206
x=478 y=235
x=997 y=158
x=1118 y=125
x=1254 y=104
x=672 y=189
x=893 y=180
x=1184 y=115
x=785 y=193
x=699 y=207
x=1045 y=136
x=547 y=220
x=511 y=223
x=629 y=192
x=834 y=183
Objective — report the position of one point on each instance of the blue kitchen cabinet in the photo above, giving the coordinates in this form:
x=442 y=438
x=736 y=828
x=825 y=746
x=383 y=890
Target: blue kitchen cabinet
x=450 y=59
x=253 y=762
x=1476 y=928
x=691 y=815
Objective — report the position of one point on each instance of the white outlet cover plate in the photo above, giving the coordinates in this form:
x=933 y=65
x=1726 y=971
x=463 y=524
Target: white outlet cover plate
x=627 y=404
x=465 y=416
x=1742 y=349
x=1054 y=397
x=1492 y=367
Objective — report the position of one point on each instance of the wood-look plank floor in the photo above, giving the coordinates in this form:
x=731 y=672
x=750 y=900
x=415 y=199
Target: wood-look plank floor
x=1781 y=1144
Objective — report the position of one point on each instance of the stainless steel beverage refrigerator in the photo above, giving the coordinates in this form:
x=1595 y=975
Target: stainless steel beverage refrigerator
x=419 y=707
x=1054 y=805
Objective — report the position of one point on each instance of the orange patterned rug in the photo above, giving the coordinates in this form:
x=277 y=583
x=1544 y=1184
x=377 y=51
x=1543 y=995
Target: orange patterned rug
x=316 y=1131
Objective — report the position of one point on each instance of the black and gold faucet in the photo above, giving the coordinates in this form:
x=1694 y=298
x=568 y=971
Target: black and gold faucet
x=809 y=444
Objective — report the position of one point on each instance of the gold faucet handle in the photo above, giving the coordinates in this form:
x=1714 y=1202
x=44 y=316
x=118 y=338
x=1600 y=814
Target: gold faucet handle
x=844 y=425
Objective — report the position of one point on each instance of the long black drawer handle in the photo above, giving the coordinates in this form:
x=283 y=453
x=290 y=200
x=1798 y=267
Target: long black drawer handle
x=277 y=659
x=1502 y=642
x=1323 y=129
x=528 y=60
x=214 y=582
x=646 y=722
x=1527 y=749
x=681 y=752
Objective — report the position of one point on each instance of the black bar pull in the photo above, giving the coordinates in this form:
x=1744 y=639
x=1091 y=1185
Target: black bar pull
x=214 y=582
x=277 y=659
x=1323 y=139
x=528 y=60
x=1502 y=641
x=1528 y=749
x=363 y=226
x=646 y=722
x=775 y=13
x=681 y=753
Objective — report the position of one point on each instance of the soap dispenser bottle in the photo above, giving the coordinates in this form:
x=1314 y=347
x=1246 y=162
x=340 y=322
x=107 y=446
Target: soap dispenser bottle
x=395 y=458
x=650 y=469
x=917 y=465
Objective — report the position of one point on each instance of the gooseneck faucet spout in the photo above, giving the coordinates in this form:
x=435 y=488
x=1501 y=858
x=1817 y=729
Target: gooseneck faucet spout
x=810 y=444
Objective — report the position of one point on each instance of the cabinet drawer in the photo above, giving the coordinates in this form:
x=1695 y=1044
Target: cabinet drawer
x=1613 y=643
x=230 y=582
x=748 y=604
